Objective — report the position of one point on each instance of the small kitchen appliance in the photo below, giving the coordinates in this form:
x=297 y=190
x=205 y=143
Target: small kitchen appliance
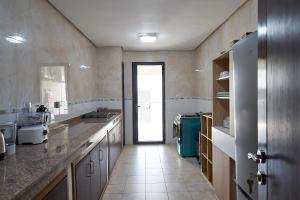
x=33 y=128
x=2 y=146
x=186 y=128
x=9 y=131
x=36 y=134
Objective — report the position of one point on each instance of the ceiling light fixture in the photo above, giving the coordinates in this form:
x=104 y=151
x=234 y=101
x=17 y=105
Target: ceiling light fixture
x=147 y=37
x=15 y=38
x=83 y=67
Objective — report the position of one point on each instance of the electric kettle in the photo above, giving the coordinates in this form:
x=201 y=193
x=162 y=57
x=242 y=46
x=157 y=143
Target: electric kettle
x=2 y=145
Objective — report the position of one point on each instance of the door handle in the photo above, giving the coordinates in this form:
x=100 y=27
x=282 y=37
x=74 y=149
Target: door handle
x=259 y=157
x=261 y=178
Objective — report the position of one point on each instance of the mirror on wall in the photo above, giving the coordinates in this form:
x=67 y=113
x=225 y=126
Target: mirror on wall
x=53 y=91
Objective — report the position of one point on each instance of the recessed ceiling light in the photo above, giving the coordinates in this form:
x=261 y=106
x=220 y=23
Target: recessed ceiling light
x=84 y=67
x=15 y=38
x=147 y=37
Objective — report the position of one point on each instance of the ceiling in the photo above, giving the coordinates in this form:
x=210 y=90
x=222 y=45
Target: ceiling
x=180 y=24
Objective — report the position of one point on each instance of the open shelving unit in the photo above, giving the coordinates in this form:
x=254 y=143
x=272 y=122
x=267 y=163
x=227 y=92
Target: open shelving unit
x=206 y=146
x=221 y=103
x=223 y=166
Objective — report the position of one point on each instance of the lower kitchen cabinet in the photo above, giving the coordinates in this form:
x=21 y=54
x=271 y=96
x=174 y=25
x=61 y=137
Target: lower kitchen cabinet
x=59 y=192
x=83 y=179
x=223 y=175
x=103 y=162
x=91 y=173
x=56 y=189
x=95 y=173
x=115 y=145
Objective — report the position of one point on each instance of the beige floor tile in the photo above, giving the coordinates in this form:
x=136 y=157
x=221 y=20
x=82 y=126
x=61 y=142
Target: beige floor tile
x=115 y=189
x=140 y=172
x=157 y=196
x=179 y=196
x=156 y=172
x=134 y=196
x=156 y=187
x=207 y=195
x=117 y=180
x=134 y=188
x=155 y=179
x=176 y=187
x=112 y=196
x=136 y=179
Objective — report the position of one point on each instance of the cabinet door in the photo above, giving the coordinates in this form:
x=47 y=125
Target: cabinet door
x=103 y=162
x=112 y=149
x=95 y=171
x=83 y=179
x=119 y=136
x=60 y=192
x=221 y=177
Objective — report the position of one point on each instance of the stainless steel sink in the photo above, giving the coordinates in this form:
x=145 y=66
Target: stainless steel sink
x=101 y=115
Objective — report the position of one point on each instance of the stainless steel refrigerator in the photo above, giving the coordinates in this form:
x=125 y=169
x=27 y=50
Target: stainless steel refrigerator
x=245 y=114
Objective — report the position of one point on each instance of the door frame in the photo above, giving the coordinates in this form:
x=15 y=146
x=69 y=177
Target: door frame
x=135 y=100
x=262 y=90
x=123 y=103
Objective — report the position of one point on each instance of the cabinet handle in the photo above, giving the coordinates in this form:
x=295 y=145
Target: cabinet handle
x=114 y=137
x=100 y=155
x=88 y=170
x=92 y=167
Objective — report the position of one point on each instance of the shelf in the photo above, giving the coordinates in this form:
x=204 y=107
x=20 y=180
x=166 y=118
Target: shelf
x=206 y=146
x=205 y=155
x=225 y=98
x=207 y=116
x=223 y=78
x=223 y=129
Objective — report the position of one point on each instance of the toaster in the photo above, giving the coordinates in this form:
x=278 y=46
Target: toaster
x=36 y=134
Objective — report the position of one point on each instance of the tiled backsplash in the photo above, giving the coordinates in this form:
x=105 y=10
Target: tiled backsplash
x=76 y=108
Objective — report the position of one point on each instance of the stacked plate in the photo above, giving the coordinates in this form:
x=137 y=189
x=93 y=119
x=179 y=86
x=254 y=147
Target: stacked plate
x=222 y=94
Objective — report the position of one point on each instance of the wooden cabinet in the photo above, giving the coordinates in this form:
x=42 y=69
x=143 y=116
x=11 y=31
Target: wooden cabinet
x=223 y=135
x=224 y=175
x=206 y=146
x=91 y=173
x=56 y=189
x=115 y=145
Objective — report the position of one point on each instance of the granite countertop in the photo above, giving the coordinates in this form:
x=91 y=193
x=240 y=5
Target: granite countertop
x=27 y=172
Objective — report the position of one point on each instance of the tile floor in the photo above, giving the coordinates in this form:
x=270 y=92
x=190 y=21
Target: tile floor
x=156 y=172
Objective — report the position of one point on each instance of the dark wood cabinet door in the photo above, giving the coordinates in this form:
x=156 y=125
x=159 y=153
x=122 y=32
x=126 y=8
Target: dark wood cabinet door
x=60 y=192
x=83 y=179
x=103 y=162
x=95 y=171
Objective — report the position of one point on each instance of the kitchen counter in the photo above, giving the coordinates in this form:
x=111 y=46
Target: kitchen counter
x=27 y=172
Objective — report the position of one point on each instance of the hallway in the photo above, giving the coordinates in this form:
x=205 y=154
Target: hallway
x=156 y=172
